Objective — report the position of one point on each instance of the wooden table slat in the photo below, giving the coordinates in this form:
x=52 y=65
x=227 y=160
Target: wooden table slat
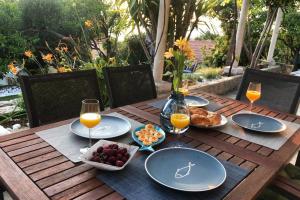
x=39 y=159
x=28 y=149
x=51 y=170
x=69 y=183
x=22 y=188
x=33 y=154
x=51 y=180
x=22 y=145
x=44 y=165
x=98 y=193
x=78 y=189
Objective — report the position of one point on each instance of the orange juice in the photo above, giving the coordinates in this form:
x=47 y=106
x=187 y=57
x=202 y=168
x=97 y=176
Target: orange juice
x=90 y=119
x=253 y=95
x=184 y=91
x=180 y=121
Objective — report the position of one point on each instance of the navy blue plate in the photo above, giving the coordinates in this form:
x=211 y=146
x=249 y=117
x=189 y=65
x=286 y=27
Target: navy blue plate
x=150 y=147
x=259 y=123
x=109 y=127
x=194 y=101
x=185 y=169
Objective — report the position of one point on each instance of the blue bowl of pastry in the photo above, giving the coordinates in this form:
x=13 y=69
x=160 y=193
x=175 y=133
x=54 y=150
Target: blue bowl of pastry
x=148 y=136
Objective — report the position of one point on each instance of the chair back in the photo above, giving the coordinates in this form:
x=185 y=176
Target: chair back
x=55 y=97
x=130 y=84
x=279 y=92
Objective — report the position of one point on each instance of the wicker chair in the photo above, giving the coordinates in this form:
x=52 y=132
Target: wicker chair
x=55 y=97
x=279 y=92
x=131 y=84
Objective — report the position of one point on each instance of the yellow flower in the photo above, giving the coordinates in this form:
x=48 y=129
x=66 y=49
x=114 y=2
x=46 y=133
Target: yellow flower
x=88 y=24
x=13 y=68
x=28 y=53
x=181 y=43
x=169 y=53
x=48 y=57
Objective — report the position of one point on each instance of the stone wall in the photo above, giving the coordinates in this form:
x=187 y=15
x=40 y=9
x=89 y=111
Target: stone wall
x=219 y=86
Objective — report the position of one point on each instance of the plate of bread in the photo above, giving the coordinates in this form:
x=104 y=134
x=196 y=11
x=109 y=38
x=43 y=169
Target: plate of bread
x=202 y=118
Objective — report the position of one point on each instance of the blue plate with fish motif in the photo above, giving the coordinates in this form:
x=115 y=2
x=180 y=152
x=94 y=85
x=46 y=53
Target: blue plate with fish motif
x=258 y=123
x=148 y=147
x=185 y=169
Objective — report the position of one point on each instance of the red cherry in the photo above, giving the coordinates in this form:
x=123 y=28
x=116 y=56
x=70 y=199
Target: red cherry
x=124 y=159
x=119 y=156
x=127 y=155
x=119 y=163
x=123 y=150
x=100 y=149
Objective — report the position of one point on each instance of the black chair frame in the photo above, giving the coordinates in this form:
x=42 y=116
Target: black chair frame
x=271 y=75
x=140 y=68
x=26 y=82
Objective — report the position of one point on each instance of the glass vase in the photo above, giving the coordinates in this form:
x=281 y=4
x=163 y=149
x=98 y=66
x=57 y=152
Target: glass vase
x=176 y=99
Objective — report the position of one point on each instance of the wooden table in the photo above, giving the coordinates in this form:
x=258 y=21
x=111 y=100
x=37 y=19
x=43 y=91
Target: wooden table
x=32 y=169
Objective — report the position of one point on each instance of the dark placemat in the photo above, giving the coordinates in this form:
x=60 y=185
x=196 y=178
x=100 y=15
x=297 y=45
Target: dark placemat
x=133 y=183
x=212 y=106
x=69 y=144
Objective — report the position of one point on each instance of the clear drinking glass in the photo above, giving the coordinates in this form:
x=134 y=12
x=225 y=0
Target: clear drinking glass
x=90 y=115
x=180 y=118
x=253 y=93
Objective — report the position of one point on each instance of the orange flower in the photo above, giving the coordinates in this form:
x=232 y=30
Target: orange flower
x=88 y=24
x=61 y=69
x=28 y=53
x=13 y=68
x=189 y=53
x=169 y=53
x=65 y=49
x=181 y=43
x=48 y=57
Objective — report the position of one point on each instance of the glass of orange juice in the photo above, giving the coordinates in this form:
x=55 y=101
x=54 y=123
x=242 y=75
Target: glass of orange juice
x=90 y=115
x=253 y=93
x=180 y=119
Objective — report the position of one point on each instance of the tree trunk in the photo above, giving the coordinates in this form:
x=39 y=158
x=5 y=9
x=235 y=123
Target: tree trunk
x=161 y=38
x=260 y=39
x=263 y=43
x=241 y=32
x=278 y=21
x=230 y=52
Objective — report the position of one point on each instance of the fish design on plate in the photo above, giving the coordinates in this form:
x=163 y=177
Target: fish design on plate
x=256 y=125
x=184 y=171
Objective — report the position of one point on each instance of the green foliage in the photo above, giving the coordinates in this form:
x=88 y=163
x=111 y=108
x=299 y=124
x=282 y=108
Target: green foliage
x=18 y=111
x=192 y=77
x=209 y=72
x=131 y=50
x=99 y=64
x=12 y=42
x=289 y=37
x=207 y=36
x=217 y=57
